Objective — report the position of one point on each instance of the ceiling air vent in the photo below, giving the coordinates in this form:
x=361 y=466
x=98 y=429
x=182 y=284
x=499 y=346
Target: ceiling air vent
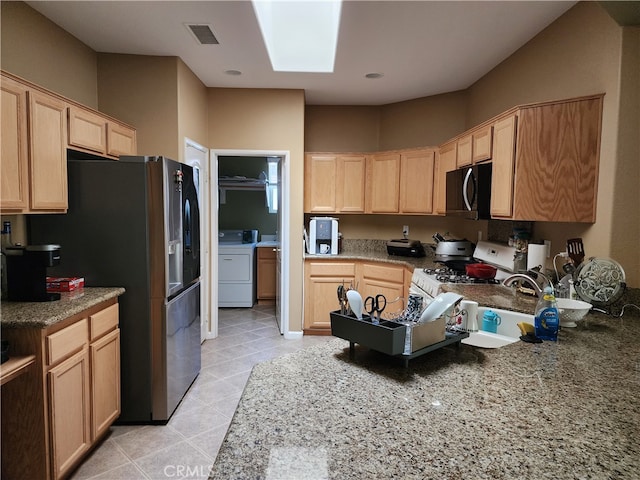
x=203 y=34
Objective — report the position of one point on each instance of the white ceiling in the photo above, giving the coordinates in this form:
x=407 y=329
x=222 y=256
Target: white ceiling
x=422 y=48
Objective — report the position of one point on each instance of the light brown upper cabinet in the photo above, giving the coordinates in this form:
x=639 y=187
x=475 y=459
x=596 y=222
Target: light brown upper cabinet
x=34 y=156
x=92 y=132
x=482 y=143
x=416 y=181
x=334 y=183
x=383 y=183
x=463 y=154
x=14 y=156
x=502 y=171
x=557 y=159
x=446 y=163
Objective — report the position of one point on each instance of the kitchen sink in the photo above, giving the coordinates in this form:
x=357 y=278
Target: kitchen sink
x=507 y=332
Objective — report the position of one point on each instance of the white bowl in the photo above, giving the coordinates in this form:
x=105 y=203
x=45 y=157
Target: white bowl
x=572 y=311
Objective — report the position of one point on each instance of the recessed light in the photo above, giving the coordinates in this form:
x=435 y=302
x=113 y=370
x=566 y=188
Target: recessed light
x=233 y=72
x=373 y=75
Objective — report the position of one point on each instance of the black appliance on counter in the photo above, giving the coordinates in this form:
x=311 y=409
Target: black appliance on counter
x=27 y=272
x=404 y=247
x=469 y=192
x=135 y=223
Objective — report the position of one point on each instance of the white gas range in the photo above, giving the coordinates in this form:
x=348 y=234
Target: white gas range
x=426 y=282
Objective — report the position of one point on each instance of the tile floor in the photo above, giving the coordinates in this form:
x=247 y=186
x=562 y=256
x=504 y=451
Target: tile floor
x=187 y=446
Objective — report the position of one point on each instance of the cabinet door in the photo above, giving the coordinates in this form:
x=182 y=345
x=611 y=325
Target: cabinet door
x=320 y=292
x=14 y=169
x=48 y=152
x=482 y=144
x=446 y=162
x=87 y=130
x=320 y=183
x=350 y=181
x=105 y=382
x=463 y=156
x=416 y=182
x=69 y=409
x=504 y=144
x=387 y=280
x=267 y=264
x=121 y=140
x=383 y=183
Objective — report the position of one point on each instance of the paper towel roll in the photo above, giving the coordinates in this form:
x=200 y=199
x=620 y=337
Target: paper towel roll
x=536 y=256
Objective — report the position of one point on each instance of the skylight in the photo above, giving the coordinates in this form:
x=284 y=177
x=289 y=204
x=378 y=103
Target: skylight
x=300 y=35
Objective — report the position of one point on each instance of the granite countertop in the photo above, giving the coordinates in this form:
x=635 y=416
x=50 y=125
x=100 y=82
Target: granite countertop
x=557 y=410
x=45 y=314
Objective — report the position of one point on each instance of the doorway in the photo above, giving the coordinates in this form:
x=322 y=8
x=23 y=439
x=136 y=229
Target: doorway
x=282 y=231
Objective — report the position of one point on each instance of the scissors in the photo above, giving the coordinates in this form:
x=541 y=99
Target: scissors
x=375 y=305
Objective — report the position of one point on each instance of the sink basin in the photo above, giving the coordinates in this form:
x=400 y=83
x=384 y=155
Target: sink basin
x=507 y=332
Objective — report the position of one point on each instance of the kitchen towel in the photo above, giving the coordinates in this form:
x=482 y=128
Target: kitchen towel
x=536 y=256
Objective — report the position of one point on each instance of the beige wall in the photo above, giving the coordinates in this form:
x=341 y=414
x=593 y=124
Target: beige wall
x=334 y=128
x=427 y=121
x=192 y=108
x=248 y=119
x=37 y=50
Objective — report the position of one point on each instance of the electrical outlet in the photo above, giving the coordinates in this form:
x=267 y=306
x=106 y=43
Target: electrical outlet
x=547 y=243
x=405 y=230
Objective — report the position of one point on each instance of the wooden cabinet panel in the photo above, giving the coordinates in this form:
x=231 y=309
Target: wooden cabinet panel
x=482 y=144
x=504 y=138
x=266 y=274
x=463 y=155
x=48 y=150
x=557 y=157
x=416 y=181
x=383 y=183
x=350 y=183
x=121 y=140
x=320 y=183
x=66 y=341
x=87 y=130
x=105 y=382
x=14 y=168
x=104 y=321
x=387 y=280
x=69 y=412
x=446 y=162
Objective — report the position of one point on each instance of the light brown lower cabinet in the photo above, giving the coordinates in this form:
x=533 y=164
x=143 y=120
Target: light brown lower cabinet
x=56 y=412
x=322 y=278
x=266 y=274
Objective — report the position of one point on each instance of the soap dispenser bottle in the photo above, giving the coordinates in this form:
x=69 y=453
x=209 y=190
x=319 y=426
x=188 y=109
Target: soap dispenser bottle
x=547 y=320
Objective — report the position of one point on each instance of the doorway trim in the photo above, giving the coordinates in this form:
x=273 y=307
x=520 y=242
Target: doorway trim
x=284 y=234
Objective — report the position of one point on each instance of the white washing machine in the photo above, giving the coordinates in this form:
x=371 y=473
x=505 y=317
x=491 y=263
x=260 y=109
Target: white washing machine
x=236 y=270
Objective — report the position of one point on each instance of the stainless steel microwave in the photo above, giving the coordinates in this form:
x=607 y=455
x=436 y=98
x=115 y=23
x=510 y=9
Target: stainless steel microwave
x=469 y=192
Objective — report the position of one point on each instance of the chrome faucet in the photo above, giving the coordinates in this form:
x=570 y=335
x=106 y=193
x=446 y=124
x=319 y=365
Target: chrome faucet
x=507 y=282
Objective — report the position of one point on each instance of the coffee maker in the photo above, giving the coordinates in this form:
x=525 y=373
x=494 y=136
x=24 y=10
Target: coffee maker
x=27 y=272
x=323 y=236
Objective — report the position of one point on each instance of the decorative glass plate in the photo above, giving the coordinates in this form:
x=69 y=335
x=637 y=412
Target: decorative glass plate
x=600 y=281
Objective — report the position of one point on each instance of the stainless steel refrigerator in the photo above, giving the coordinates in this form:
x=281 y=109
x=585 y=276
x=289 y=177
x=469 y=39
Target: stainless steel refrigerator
x=135 y=223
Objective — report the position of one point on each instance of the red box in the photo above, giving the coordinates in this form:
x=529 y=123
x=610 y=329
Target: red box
x=64 y=284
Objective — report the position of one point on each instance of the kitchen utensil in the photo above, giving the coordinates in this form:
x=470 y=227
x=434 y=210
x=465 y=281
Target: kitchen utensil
x=375 y=306
x=457 y=248
x=355 y=303
x=342 y=299
x=438 y=238
x=575 y=249
x=572 y=311
x=481 y=270
x=439 y=306
x=600 y=281
x=490 y=321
